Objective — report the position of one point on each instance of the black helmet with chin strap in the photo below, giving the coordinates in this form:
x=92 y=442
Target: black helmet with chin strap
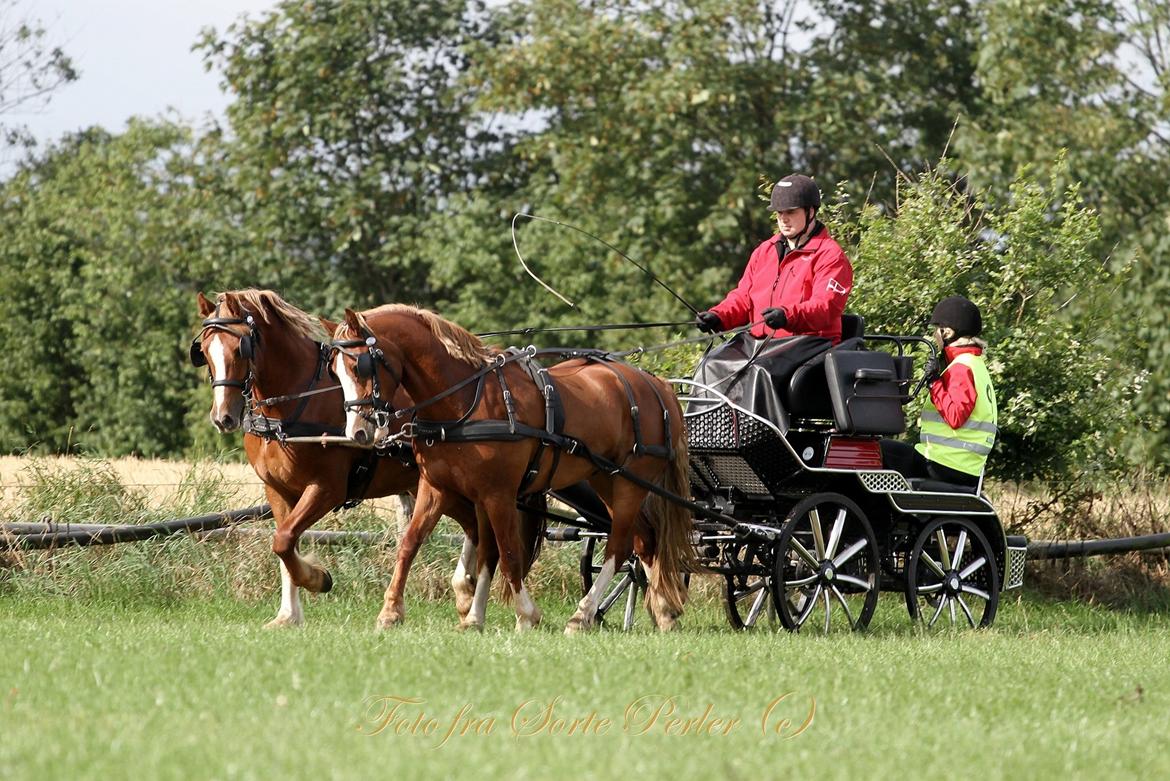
x=960 y=314
x=795 y=191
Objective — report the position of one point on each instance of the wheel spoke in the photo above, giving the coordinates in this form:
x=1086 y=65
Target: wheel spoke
x=972 y=567
x=850 y=552
x=978 y=592
x=959 y=545
x=861 y=584
x=754 y=613
x=814 y=519
x=801 y=581
x=631 y=606
x=941 y=537
x=844 y=606
x=804 y=554
x=954 y=618
x=966 y=610
x=753 y=588
x=616 y=591
x=835 y=534
x=933 y=587
x=808 y=607
x=942 y=602
x=828 y=610
x=930 y=562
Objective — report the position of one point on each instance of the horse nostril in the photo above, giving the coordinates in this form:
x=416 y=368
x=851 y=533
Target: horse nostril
x=228 y=422
x=360 y=436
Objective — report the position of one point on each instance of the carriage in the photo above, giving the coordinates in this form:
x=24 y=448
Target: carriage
x=792 y=507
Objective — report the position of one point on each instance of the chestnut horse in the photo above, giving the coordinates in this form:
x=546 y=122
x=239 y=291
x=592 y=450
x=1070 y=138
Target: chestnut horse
x=266 y=354
x=451 y=371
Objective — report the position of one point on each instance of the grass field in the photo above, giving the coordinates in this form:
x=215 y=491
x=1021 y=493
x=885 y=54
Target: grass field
x=111 y=689
x=149 y=661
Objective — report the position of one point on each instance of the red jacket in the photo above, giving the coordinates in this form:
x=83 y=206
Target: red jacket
x=810 y=284
x=954 y=393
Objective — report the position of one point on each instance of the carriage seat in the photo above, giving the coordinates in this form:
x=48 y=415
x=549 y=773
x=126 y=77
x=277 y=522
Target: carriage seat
x=938 y=486
x=864 y=390
x=808 y=390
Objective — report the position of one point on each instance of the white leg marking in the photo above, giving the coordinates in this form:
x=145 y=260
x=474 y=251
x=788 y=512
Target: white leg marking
x=290 y=613
x=461 y=582
x=483 y=587
x=527 y=613
x=587 y=607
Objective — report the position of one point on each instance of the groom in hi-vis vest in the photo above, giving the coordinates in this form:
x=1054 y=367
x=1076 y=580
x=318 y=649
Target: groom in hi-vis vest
x=958 y=423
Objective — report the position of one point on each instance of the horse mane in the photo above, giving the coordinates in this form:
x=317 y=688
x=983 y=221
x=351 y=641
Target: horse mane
x=459 y=343
x=271 y=308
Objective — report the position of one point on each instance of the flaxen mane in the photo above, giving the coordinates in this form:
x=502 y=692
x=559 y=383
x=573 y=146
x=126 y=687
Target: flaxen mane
x=270 y=307
x=458 y=341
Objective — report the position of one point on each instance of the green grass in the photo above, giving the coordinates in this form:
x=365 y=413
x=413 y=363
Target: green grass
x=96 y=687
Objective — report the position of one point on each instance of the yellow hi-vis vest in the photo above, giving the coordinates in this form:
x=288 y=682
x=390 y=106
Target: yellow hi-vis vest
x=964 y=449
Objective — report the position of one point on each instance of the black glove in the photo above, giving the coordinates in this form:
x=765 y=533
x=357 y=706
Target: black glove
x=775 y=318
x=932 y=370
x=708 y=322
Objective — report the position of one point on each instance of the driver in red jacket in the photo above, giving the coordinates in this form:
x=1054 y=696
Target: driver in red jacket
x=796 y=282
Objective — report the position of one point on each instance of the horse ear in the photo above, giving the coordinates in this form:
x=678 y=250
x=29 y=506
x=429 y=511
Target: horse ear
x=351 y=320
x=329 y=326
x=206 y=307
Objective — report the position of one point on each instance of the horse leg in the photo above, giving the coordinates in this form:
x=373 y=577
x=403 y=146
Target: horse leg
x=617 y=550
x=312 y=505
x=463 y=580
x=645 y=545
x=487 y=556
x=428 y=509
x=290 y=613
x=502 y=513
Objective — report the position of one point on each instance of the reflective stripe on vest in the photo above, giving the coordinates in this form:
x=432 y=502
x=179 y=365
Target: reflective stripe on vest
x=966 y=448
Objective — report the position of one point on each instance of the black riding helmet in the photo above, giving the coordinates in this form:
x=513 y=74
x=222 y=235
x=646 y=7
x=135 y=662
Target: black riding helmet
x=959 y=314
x=795 y=191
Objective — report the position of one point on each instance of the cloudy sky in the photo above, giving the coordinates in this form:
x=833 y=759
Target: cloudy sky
x=135 y=58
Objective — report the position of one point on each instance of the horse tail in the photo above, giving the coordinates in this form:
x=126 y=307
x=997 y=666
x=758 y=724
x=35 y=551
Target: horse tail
x=671 y=522
x=533 y=522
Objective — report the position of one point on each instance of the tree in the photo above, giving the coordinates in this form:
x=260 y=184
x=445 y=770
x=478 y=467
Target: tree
x=31 y=68
x=106 y=240
x=349 y=129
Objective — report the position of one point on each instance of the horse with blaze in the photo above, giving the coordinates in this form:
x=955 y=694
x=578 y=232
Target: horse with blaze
x=267 y=361
x=382 y=350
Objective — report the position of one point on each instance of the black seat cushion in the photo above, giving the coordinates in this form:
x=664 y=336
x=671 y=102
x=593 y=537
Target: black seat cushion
x=808 y=390
x=864 y=389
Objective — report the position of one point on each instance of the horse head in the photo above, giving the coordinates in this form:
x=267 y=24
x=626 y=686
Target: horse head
x=226 y=345
x=369 y=370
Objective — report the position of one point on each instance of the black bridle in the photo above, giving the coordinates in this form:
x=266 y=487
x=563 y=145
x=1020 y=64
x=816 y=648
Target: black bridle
x=246 y=349
x=366 y=368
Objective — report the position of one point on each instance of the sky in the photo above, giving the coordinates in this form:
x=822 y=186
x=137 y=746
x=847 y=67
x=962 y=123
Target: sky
x=135 y=59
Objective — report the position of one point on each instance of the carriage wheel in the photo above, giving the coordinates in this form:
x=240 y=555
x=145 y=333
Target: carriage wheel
x=749 y=587
x=825 y=573
x=951 y=576
x=629 y=578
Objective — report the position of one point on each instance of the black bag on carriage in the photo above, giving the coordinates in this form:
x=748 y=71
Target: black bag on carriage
x=754 y=373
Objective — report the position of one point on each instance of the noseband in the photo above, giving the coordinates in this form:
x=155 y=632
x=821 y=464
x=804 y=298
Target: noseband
x=246 y=349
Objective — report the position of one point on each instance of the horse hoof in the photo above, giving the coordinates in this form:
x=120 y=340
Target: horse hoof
x=470 y=626
x=577 y=624
x=280 y=622
x=326 y=582
x=388 y=621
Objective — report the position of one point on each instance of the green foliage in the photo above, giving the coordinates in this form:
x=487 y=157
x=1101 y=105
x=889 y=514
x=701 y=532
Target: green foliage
x=108 y=238
x=1024 y=262
x=31 y=68
x=350 y=128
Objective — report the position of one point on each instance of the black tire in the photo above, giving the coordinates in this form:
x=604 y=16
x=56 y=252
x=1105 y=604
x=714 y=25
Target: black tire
x=831 y=570
x=941 y=590
x=748 y=594
x=622 y=590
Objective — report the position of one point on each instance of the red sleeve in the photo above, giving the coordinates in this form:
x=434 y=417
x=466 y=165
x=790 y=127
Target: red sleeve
x=832 y=279
x=954 y=394
x=736 y=308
